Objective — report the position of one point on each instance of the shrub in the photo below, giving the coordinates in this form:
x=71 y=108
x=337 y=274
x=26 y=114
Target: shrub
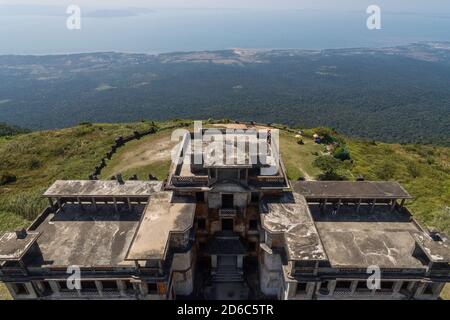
x=7 y=178
x=386 y=170
x=342 y=153
x=413 y=169
x=328 y=164
x=34 y=164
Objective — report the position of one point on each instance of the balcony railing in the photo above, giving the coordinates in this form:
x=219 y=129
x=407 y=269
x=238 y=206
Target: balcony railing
x=228 y=212
x=196 y=180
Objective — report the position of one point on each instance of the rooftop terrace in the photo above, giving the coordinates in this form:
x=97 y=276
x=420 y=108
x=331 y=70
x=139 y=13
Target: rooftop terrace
x=165 y=214
x=357 y=240
x=289 y=215
x=86 y=236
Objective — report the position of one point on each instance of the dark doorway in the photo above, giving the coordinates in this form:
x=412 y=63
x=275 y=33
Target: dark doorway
x=227 y=201
x=200 y=196
x=227 y=224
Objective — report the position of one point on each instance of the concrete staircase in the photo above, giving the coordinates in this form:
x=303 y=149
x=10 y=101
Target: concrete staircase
x=227 y=274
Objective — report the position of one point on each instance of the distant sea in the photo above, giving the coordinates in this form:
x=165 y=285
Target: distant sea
x=168 y=30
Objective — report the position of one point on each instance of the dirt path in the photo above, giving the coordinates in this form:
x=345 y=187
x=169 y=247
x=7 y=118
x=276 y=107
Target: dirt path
x=151 y=150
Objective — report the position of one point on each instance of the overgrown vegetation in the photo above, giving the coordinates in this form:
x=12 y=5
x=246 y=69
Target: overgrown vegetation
x=424 y=171
x=37 y=159
x=8 y=130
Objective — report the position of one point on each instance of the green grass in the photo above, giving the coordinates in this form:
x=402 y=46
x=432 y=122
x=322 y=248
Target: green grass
x=298 y=158
x=424 y=171
x=4 y=294
x=159 y=169
x=142 y=157
x=38 y=159
x=445 y=294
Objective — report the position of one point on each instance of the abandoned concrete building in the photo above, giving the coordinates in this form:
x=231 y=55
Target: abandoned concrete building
x=209 y=228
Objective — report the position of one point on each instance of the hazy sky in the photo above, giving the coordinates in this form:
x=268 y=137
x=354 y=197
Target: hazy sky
x=417 y=6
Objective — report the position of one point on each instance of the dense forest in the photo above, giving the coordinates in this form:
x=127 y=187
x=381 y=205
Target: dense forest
x=399 y=94
x=7 y=130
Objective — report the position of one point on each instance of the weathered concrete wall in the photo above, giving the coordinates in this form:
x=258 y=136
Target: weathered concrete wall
x=240 y=200
x=270 y=274
x=183 y=273
x=214 y=200
x=29 y=287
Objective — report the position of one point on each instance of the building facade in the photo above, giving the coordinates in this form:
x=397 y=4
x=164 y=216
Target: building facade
x=211 y=228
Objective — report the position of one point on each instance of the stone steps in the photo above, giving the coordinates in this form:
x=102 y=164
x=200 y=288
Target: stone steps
x=227 y=274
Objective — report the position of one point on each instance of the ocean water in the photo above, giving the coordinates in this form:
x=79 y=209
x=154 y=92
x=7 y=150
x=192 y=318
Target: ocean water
x=211 y=29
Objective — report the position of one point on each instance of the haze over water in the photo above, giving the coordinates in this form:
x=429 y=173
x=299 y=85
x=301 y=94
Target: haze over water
x=167 y=30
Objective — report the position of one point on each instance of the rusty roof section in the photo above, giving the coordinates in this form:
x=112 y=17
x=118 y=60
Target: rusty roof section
x=163 y=215
x=102 y=188
x=350 y=190
x=13 y=246
x=290 y=215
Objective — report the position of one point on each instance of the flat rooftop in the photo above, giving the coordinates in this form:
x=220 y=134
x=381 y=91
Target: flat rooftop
x=290 y=215
x=164 y=214
x=436 y=251
x=86 y=237
x=358 y=240
x=102 y=188
x=350 y=190
x=14 y=247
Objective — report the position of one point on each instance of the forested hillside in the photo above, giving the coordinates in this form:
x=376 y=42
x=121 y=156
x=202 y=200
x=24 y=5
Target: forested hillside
x=398 y=94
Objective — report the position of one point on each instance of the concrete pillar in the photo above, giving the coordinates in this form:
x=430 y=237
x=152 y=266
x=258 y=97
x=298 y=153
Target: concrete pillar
x=58 y=200
x=310 y=288
x=99 y=286
x=353 y=286
x=94 y=203
x=240 y=261
x=332 y=286
x=143 y=288
x=214 y=261
x=397 y=286
x=339 y=205
x=291 y=290
x=129 y=204
x=437 y=288
x=122 y=287
x=358 y=206
x=55 y=288
x=419 y=290
x=115 y=204
x=393 y=205
x=402 y=203
x=373 y=205
x=325 y=205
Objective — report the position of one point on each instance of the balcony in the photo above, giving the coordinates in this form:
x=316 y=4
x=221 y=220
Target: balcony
x=186 y=181
x=228 y=212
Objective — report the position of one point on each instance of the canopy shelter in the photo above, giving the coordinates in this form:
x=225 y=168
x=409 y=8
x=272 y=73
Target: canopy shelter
x=96 y=191
x=357 y=192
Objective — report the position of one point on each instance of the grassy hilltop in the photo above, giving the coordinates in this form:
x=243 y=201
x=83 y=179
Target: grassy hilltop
x=30 y=162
